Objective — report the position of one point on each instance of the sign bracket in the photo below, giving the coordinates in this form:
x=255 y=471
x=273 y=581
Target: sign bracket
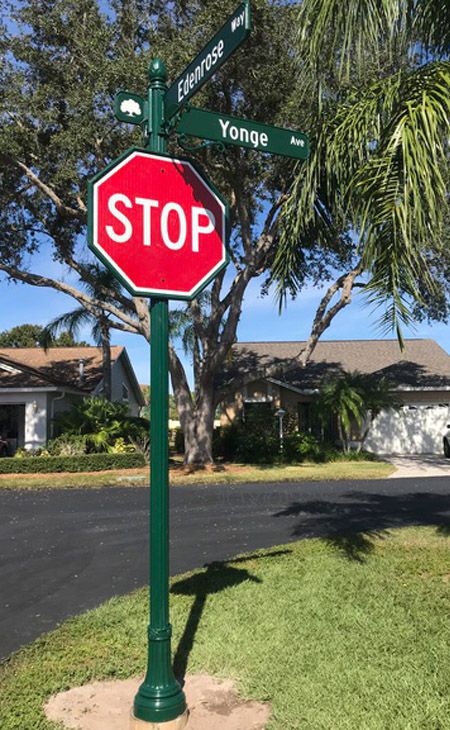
x=182 y=140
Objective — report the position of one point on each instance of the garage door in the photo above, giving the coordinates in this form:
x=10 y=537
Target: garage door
x=413 y=429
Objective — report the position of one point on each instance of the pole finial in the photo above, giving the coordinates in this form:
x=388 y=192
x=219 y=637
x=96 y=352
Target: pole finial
x=157 y=70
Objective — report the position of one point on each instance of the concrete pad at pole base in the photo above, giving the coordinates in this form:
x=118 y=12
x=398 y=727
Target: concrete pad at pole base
x=213 y=703
x=178 y=724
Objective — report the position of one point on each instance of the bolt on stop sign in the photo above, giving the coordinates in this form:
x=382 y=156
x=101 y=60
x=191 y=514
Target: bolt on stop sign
x=158 y=223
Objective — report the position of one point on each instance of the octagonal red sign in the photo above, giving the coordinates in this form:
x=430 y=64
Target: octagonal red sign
x=158 y=223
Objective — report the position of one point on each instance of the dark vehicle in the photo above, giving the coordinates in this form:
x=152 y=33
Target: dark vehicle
x=447 y=442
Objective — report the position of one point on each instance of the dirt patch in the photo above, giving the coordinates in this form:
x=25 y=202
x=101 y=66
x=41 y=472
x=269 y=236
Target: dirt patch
x=213 y=705
x=182 y=470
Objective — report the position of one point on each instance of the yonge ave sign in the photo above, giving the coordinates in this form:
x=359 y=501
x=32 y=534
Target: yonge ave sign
x=242 y=132
x=210 y=58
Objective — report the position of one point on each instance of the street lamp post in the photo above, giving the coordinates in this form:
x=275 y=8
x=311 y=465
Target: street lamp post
x=280 y=413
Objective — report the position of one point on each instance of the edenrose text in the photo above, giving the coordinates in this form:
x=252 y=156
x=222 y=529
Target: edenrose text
x=188 y=82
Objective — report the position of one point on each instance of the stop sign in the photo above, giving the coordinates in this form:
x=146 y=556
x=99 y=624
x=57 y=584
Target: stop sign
x=158 y=224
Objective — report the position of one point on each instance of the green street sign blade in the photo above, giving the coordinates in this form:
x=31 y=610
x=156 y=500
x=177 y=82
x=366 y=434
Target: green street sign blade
x=210 y=58
x=244 y=133
x=130 y=108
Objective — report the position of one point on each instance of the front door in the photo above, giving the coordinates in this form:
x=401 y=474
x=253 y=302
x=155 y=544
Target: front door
x=12 y=428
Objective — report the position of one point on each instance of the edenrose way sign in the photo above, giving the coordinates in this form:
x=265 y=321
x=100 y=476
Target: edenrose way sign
x=235 y=30
x=158 y=224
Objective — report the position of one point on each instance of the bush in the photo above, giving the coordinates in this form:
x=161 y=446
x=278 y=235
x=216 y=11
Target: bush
x=120 y=446
x=101 y=423
x=251 y=442
x=353 y=455
x=225 y=442
x=85 y=462
x=67 y=444
x=255 y=442
x=178 y=441
x=303 y=447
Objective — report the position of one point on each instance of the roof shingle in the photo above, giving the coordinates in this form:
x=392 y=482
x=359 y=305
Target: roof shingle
x=59 y=366
x=423 y=363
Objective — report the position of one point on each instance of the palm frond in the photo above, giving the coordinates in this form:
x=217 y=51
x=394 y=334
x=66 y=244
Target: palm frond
x=345 y=36
x=70 y=322
x=432 y=24
x=379 y=165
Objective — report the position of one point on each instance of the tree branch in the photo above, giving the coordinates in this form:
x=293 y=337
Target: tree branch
x=122 y=327
x=90 y=303
x=143 y=315
x=321 y=322
x=325 y=316
x=64 y=210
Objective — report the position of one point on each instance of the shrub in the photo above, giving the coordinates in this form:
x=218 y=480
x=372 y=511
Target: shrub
x=254 y=441
x=225 y=442
x=85 y=462
x=22 y=453
x=120 y=446
x=99 y=421
x=303 y=447
x=67 y=444
x=178 y=441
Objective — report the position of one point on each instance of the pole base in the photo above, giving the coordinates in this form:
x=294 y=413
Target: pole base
x=178 y=724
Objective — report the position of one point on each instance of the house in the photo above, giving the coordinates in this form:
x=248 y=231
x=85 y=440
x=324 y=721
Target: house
x=420 y=377
x=36 y=384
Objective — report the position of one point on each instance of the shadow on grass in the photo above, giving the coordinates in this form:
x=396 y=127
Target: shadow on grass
x=355 y=546
x=217 y=576
x=352 y=521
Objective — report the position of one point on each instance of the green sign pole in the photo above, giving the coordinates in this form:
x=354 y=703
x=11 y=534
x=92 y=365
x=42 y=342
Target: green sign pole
x=160 y=697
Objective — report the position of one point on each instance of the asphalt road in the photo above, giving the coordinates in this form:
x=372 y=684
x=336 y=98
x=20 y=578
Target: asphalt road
x=64 y=551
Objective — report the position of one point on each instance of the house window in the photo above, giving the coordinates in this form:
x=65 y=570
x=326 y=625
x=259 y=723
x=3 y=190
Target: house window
x=125 y=393
x=258 y=410
x=309 y=422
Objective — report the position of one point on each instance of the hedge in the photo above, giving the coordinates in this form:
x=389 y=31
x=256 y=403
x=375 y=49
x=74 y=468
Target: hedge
x=85 y=462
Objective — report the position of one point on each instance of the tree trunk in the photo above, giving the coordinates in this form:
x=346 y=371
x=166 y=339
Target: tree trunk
x=196 y=414
x=342 y=438
x=198 y=434
x=369 y=418
x=106 y=364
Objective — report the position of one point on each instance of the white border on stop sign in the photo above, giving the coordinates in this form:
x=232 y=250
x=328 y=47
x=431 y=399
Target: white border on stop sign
x=146 y=291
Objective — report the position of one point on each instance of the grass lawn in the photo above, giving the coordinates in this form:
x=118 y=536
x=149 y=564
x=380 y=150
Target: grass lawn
x=220 y=474
x=349 y=633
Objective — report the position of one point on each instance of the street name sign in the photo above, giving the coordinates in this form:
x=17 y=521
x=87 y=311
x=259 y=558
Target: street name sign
x=234 y=130
x=211 y=57
x=130 y=108
x=158 y=224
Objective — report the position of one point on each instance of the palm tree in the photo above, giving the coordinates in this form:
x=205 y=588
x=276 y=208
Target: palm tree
x=355 y=399
x=380 y=75
x=341 y=397
x=72 y=322
x=377 y=395
x=104 y=287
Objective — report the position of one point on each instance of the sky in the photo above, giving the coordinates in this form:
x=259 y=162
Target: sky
x=20 y=304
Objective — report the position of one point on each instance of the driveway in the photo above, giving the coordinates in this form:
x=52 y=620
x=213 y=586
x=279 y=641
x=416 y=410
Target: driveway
x=419 y=465
x=64 y=551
